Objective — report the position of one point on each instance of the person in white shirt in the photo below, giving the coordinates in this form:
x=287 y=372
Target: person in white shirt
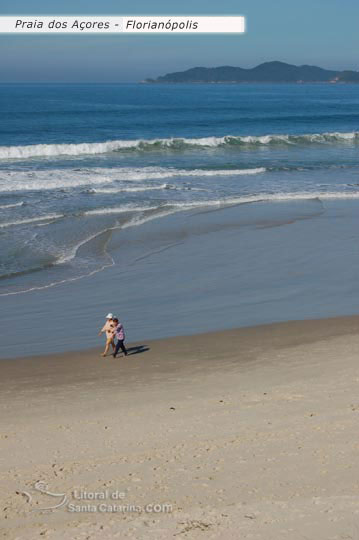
x=108 y=328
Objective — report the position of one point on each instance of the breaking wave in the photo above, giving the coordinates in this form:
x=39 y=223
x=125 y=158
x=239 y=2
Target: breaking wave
x=14 y=205
x=28 y=221
x=58 y=178
x=53 y=150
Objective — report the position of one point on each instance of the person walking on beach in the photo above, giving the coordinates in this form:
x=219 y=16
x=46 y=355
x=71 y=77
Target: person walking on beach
x=109 y=328
x=119 y=332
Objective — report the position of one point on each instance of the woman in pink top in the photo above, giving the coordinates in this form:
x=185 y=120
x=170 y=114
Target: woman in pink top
x=109 y=328
x=120 y=334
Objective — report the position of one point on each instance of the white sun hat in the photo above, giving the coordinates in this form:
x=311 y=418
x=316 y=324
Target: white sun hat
x=109 y=316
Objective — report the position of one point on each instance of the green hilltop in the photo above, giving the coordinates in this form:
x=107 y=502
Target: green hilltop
x=268 y=72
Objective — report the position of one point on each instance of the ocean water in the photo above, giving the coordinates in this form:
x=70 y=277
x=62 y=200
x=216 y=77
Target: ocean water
x=94 y=179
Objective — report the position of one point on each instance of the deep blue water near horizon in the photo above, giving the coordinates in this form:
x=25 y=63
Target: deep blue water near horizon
x=249 y=169
x=75 y=113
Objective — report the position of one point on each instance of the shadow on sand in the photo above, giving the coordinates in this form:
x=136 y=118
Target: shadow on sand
x=137 y=349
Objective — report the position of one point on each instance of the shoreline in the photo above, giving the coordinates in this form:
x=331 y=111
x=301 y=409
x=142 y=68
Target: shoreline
x=154 y=289
x=327 y=327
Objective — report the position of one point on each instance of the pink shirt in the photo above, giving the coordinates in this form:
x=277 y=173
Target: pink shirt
x=120 y=332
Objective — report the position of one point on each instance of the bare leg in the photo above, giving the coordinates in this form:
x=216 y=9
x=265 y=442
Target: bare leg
x=108 y=343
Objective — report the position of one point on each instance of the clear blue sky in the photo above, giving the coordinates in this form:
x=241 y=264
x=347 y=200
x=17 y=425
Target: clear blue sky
x=319 y=32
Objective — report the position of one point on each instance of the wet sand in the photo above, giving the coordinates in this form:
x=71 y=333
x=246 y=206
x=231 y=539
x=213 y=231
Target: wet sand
x=248 y=433
x=197 y=272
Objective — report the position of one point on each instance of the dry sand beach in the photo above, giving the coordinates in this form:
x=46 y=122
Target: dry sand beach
x=242 y=434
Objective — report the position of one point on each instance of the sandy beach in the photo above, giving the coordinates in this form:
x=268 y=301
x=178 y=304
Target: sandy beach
x=215 y=216
x=248 y=433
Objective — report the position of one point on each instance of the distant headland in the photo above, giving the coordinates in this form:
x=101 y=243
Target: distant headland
x=269 y=72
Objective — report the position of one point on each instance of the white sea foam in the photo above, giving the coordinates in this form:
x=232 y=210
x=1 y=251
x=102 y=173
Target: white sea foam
x=119 y=210
x=130 y=189
x=30 y=220
x=14 y=205
x=171 y=207
x=53 y=150
x=11 y=181
x=167 y=209
x=219 y=172
x=136 y=221
x=114 y=190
